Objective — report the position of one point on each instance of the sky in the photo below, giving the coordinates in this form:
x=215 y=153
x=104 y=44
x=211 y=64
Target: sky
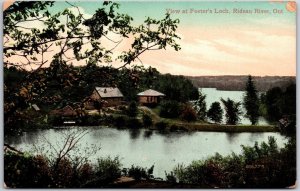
x=215 y=43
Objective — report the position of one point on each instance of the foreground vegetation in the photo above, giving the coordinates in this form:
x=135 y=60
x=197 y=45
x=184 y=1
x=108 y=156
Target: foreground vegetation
x=258 y=166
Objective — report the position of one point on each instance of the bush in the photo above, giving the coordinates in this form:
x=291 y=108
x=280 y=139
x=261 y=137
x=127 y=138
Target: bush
x=147 y=120
x=120 y=121
x=26 y=171
x=161 y=126
x=134 y=123
x=170 y=177
x=170 y=109
x=139 y=173
x=107 y=170
x=188 y=113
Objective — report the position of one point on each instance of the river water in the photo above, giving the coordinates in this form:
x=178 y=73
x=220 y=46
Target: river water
x=143 y=147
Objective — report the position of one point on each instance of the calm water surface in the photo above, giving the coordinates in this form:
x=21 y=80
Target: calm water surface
x=213 y=95
x=145 y=148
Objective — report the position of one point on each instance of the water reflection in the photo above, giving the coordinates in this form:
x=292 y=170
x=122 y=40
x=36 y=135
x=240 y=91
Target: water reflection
x=134 y=133
x=148 y=134
x=232 y=137
x=144 y=147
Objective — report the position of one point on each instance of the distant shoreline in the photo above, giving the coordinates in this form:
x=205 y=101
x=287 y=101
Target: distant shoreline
x=237 y=83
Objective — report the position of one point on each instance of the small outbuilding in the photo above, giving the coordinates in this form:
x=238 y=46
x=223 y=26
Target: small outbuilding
x=67 y=111
x=110 y=96
x=150 y=97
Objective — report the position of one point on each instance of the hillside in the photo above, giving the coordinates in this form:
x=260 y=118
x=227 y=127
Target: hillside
x=238 y=82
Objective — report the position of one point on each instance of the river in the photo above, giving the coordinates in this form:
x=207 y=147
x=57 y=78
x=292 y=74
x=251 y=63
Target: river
x=145 y=148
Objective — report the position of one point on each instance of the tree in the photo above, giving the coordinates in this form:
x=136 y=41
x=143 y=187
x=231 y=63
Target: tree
x=215 y=112
x=273 y=103
x=251 y=101
x=31 y=32
x=170 y=109
x=232 y=111
x=132 y=110
x=200 y=106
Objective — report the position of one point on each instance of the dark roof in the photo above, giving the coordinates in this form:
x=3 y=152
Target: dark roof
x=107 y=92
x=150 y=92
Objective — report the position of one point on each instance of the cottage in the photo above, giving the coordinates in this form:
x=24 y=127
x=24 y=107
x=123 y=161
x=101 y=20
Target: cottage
x=109 y=96
x=67 y=111
x=150 y=97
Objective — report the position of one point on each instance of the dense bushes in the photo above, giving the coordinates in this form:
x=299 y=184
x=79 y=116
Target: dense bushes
x=188 y=113
x=139 y=173
x=170 y=109
x=263 y=166
x=27 y=171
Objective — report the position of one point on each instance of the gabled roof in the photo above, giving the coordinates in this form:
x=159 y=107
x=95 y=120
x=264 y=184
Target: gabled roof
x=150 y=92
x=106 y=92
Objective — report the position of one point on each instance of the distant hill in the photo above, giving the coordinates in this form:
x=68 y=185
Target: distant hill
x=237 y=83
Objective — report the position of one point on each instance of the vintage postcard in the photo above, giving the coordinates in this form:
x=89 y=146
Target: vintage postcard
x=162 y=94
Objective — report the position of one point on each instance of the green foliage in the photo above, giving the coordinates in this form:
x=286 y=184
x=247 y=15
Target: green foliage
x=147 y=120
x=200 y=106
x=232 y=111
x=70 y=30
x=170 y=177
x=132 y=110
x=176 y=88
x=161 y=126
x=273 y=103
x=139 y=173
x=120 y=121
x=133 y=123
x=170 y=109
x=215 y=112
x=264 y=166
x=26 y=171
x=188 y=113
x=251 y=102
x=107 y=170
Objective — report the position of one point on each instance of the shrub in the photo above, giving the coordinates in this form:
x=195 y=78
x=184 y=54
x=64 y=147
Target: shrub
x=133 y=123
x=147 y=121
x=120 y=121
x=139 y=173
x=161 y=125
x=26 y=171
x=188 y=113
x=170 y=109
x=107 y=170
x=132 y=110
x=170 y=177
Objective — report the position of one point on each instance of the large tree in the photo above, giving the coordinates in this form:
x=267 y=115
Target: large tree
x=233 y=111
x=251 y=101
x=31 y=32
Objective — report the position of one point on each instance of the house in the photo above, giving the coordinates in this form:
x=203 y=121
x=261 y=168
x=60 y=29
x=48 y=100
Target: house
x=150 y=97
x=109 y=96
x=67 y=111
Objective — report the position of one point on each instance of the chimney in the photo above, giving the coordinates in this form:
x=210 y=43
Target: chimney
x=105 y=91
